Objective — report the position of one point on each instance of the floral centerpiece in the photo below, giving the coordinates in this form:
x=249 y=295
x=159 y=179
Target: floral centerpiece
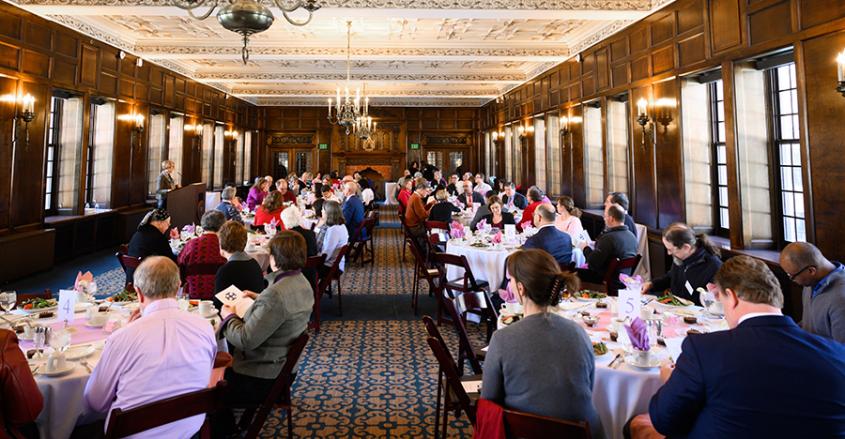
x=456 y=230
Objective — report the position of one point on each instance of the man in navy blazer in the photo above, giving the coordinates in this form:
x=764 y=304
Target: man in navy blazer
x=513 y=199
x=353 y=208
x=548 y=237
x=763 y=378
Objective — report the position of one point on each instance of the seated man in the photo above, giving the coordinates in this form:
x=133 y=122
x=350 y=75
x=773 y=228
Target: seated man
x=548 y=237
x=287 y=195
x=227 y=206
x=622 y=200
x=163 y=352
x=823 y=298
x=481 y=185
x=469 y=196
x=353 y=208
x=763 y=378
x=513 y=199
x=615 y=242
x=22 y=401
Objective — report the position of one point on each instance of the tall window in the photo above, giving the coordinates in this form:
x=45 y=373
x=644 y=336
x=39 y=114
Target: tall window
x=517 y=156
x=219 y=146
x=492 y=158
x=176 y=135
x=540 y=153
x=554 y=165
x=719 y=162
x=158 y=139
x=593 y=158
x=64 y=149
x=487 y=153
x=617 y=145
x=100 y=152
x=239 y=159
x=508 y=153
x=786 y=140
x=434 y=158
x=248 y=157
x=207 y=150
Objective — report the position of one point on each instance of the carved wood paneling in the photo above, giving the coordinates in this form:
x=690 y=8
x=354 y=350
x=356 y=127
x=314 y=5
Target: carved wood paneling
x=770 y=23
x=725 y=24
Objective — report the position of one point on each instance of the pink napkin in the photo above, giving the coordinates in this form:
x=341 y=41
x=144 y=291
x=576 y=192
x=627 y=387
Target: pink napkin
x=631 y=282
x=86 y=278
x=174 y=234
x=638 y=333
x=481 y=225
x=190 y=228
x=456 y=230
x=526 y=225
x=497 y=238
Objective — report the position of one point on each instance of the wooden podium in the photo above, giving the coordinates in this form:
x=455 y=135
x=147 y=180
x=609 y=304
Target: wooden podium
x=186 y=204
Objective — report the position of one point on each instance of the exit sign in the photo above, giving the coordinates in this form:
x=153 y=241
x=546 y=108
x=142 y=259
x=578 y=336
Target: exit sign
x=324 y=146
x=415 y=146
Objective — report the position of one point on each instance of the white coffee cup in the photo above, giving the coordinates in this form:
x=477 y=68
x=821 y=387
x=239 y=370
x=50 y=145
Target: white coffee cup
x=512 y=308
x=56 y=361
x=206 y=307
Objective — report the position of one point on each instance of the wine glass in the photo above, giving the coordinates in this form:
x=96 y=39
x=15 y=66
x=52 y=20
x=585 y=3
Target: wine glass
x=39 y=338
x=60 y=340
x=8 y=300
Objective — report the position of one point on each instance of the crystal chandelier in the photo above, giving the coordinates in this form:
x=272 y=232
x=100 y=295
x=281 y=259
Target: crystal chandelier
x=348 y=111
x=365 y=127
x=246 y=17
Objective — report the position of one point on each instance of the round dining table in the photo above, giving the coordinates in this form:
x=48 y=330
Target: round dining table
x=64 y=404
x=487 y=262
x=620 y=389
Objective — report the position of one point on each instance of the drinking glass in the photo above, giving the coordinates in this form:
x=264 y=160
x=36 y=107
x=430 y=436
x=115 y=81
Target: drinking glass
x=39 y=338
x=60 y=340
x=8 y=300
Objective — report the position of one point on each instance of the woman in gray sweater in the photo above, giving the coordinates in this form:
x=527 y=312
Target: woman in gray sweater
x=542 y=364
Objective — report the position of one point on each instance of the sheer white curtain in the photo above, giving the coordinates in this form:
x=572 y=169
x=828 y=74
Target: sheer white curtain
x=508 y=153
x=239 y=159
x=540 y=153
x=593 y=158
x=247 y=158
x=207 y=146
x=103 y=149
x=617 y=151
x=174 y=146
x=158 y=136
x=553 y=139
x=219 y=142
x=70 y=152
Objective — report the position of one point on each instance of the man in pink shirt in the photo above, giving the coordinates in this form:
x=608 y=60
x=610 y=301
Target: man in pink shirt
x=163 y=352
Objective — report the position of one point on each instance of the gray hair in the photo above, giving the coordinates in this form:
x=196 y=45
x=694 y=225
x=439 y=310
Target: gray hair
x=212 y=220
x=333 y=213
x=547 y=212
x=157 y=277
x=228 y=193
x=291 y=217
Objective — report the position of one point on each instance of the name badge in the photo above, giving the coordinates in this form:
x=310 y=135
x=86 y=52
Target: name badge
x=689 y=288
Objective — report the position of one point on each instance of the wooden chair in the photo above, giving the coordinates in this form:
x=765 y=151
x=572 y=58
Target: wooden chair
x=465 y=349
x=314 y=263
x=254 y=417
x=46 y=294
x=401 y=212
x=456 y=398
x=610 y=284
x=360 y=239
x=128 y=263
x=422 y=270
x=123 y=423
x=466 y=284
x=222 y=360
x=334 y=274
x=521 y=425
x=442 y=225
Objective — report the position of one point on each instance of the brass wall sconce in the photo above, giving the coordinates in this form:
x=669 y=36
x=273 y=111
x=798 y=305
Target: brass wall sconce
x=195 y=130
x=137 y=121
x=663 y=112
x=643 y=119
x=840 y=72
x=25 y=115
x=497 y=135
x=524 y=131
x=230 y=135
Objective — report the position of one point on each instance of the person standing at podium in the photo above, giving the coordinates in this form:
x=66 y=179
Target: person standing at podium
x=165 y=183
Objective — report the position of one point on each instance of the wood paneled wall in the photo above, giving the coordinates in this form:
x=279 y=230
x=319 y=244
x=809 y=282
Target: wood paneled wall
x=37 y=57
x=649 y=58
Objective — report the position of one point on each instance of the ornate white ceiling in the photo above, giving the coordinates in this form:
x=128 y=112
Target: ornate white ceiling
x=407 y=52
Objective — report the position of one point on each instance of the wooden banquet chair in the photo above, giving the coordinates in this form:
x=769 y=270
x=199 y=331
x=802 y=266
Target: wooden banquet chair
x=124 y=423
x=312 y=264
x=522 y=425
x=422 y=270
x=466 y=286
x=465 y=349
x=334 y=274
x=610 y=284
x=404 y=229
x=127 y=263
x=254 y=417
x=455 y=397
x=360 y=245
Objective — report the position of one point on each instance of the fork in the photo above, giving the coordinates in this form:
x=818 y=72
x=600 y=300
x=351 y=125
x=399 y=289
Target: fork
x=84 y=364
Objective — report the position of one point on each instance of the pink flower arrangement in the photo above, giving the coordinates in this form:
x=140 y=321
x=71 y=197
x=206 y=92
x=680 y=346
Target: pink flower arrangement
x=190 y=228
x=497 y=238
x=456 y=230
x=631 y=282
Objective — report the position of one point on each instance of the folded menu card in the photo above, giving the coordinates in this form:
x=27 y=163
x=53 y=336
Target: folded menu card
x=234 y=297
x=471 y=386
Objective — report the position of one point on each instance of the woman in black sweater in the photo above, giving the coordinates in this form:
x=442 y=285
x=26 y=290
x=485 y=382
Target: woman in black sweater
x=151 y=239
x=240 y=270
x=696 y=261
x=442 y=211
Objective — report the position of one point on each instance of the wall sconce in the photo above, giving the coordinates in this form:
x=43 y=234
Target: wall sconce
x=136 y=119
x=26 y=113
x=231 y=135
x=663 y=112
x=642 y=118
x=564 y=126
x=521 y=131
x=494 y=136
x=840 y=72
x=196 y=130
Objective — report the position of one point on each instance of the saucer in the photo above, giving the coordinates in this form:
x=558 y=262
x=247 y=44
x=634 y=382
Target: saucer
x=81 y=351
x=69 y=367
x=209 y=315
x=635 y=360
x=88 y=324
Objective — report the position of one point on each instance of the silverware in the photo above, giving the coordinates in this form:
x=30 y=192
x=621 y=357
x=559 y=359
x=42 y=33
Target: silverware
x=35 y=371
x=84 y=363
x=613 y=362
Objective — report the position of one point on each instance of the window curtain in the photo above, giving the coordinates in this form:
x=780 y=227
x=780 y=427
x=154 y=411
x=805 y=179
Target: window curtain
x=174 y=146
x=70 y=153
x=103 y=142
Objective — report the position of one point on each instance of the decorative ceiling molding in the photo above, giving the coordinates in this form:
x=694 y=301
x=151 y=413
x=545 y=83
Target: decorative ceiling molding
x=382 y=102
x=257 y=51
x=605 y=32
x=560 y=5
x=372 y=93
x=85 y=28
x=398 y=77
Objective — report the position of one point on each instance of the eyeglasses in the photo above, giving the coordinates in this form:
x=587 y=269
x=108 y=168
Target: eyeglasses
x=793 y=276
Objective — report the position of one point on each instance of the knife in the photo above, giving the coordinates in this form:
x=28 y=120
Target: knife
x=613 y=362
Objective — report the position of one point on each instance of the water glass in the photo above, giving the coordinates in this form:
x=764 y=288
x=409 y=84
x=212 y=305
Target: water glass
x=39 y=339
x=8 y=300
x=60 y=340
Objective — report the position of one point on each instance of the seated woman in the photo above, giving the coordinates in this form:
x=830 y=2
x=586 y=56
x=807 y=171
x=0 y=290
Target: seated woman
x=442 y=211
x=240 y=269
x=228 y=205
x=203 y=253
x=406 y=190
x=497 y=217
x=260 y=340
x=332 y=236
x=22 y=400
x=568 y=217
x=257 y=192
x=151 y=238
x=524 y=369
x=271 y=209
x=291 y=218
x=696 y=261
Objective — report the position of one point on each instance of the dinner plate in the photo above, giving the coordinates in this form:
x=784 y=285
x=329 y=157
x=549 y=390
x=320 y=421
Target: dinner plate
x=39 y=310
x=88 y=324
x=635 y=360
x=69 y=367
x=80 y=351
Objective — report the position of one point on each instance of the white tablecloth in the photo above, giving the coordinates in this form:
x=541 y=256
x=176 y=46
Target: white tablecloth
x=390 y=193
x=488 y=263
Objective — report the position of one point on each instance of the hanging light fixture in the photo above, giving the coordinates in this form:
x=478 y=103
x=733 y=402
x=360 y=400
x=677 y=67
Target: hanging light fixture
x=365 y=127
x=348 y=111
x=246 y=17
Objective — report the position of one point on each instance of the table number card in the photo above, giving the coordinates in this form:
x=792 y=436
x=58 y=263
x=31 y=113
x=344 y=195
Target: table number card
x=67 y=304
x=629 y=304
x=510 y=230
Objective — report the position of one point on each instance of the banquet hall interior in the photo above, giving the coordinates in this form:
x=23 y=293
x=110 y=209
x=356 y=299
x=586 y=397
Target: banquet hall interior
x=409 y=183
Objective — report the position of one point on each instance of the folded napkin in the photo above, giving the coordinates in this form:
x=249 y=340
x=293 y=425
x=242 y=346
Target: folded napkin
x=497 y=238
x=174 y=233
x=631 y=282
x=482 y=225
x=190 y=228
x=638 y=334
x=456 y=230
x=83 y=279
